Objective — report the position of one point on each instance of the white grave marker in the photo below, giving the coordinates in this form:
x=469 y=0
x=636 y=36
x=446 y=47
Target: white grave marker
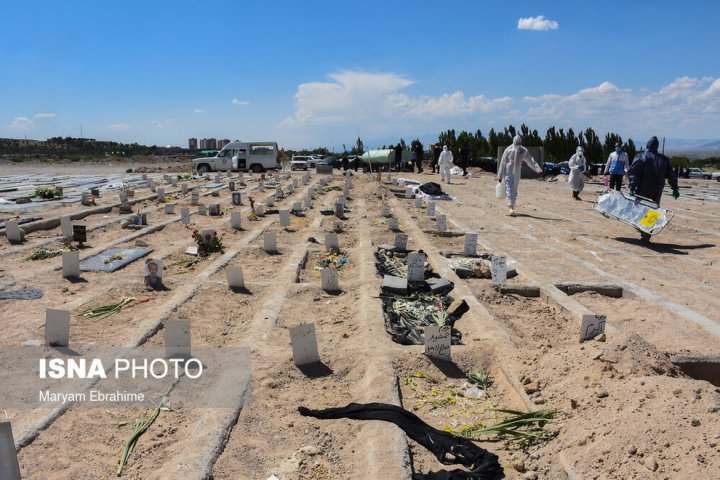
x=284 y=218
x=441 y=223
x=308 y=202
x=218 y=179
x=123 y=196
x=178 y=338
x=170 y=208
x=386 y=211
x=57 y=328
x=270 y=242
x=185 y=216
x=332 y=242
x=260 y=209
x=297 y=207
x=408 y=192
x=71 y=264
x=416 y=267
x=431 y=209
x=330 y=280
x=418 y=202
x=270 y=201
x=173 y=181
x=9 y=466
x=278 y=193
x=592 y=326
x=437 y=341
x=202 y=210
x=161 y=194
x=66 y=226
x=311 y=192
x=194 y=198
x=13 y=232
x=304 y=344
x=470 y=244
x=393 y=224
x=184 y=188
x=236 y=220
x=235 y=277
x=499 y=269
x=401 y=240
x=85 y=198
x=295 y=183
x=378 y=192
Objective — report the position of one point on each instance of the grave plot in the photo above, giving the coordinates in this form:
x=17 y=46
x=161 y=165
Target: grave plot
x=461 y=397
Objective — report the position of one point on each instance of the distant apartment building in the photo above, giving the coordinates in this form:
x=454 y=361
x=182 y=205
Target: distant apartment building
x=222 y=143
x=192 y=143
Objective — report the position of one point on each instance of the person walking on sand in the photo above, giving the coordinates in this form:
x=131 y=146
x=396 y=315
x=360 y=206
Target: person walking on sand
x=577 y=166
x=445 y=164
x=510 y=168
x=616 y=167
x=436 y=157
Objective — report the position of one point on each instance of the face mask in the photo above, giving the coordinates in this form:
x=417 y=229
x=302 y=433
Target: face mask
x=618 y=149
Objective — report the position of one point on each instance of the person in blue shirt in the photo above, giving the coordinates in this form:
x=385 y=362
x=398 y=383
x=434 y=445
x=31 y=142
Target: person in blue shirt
x=616 y=167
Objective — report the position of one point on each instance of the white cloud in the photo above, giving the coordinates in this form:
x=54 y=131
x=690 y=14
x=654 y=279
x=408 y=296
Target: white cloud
x=198 y=110
x=379 y=105
x=44 y=115
x=118 y=127
x=537 y=23
x=20 y=123
x=161 y=123
x=242 y=103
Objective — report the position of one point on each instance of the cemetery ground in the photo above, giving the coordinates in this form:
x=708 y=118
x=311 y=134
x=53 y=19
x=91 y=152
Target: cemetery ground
x=626 y=405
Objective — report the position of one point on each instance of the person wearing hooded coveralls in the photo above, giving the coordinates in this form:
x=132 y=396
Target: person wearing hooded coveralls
x=577 y=172
x=445 y=164
x=510 y=168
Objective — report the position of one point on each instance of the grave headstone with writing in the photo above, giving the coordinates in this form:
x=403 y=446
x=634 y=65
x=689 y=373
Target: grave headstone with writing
x=431 y=209
x=170 y=208
x=591 y=326
x=401 y=240
x=214 y=209
x=231 y=186
x=185 y=216
x=498 y=269
x=416 y=267
x=236 y=198
x=437 y=341
x=470 y=248
x=441 y=223
x=386 y=211
x=194 y=198
x=80 y=233
x=393 y=224
x=304 y=344
x=418 y=202
x=160 y=194
x=202 y=210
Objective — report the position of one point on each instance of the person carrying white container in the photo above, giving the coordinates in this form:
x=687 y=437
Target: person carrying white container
x=577 y=172
x=510 y=167
x=445 y=163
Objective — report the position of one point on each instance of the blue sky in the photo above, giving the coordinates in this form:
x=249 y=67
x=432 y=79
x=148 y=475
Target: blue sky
x=317 y=73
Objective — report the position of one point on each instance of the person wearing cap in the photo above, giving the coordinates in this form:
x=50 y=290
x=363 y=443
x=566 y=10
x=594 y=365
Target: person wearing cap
x=616 y=167
x=510 y=167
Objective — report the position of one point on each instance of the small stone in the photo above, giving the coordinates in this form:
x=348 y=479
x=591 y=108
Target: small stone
x=600 y=338
x=519 y=466
x=602 y=394
x=573 y=403
x=650 y=464
x=695 y=422
x=632 y=450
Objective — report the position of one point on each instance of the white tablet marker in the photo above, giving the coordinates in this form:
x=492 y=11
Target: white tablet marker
x=185 y=216
x=66 y=226
x=236 y=220
x=330 y=279
x=311 y=193
x=418 y=202
x=235 y=278
x=170 y=208
x=431 y=209
x=378 y=192
x=260 y=209
x=304 y=344
x=386 y=211
x=202 y=210
x=295 y=183
x=332 y=242
x=284 y=218
x=408 y=192
x=592 y=325
x=13 y=232
x=71 y=264
x=297 y=207
x=57 y=328
x=438 y=339
x=178 y=339
x=393 y=224
x=498 y=268
x=194 y=198
x=270 y=201
x=308 y=202
x=160 y=194
x=184 y=188
x=270 y=242
x=173 y=181
x=470 y=248
x=441 y=223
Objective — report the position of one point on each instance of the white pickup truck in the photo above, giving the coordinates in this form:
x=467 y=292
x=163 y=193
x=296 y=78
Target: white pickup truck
x=255 y=157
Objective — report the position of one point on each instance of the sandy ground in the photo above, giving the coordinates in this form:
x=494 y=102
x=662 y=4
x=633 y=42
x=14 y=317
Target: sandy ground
x=624 y=409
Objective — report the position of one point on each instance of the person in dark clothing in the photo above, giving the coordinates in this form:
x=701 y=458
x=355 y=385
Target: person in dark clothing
x=356 y=162
x=436 y=157
x=345 y=163
x=463 y=160
x=398 y=156
x=419 y=157
x=648 y=173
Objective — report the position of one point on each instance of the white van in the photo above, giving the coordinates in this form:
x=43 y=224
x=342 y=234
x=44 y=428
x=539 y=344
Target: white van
x=247 y=156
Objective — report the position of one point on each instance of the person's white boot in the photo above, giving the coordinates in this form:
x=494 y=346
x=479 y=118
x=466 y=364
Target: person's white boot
x=511 y=212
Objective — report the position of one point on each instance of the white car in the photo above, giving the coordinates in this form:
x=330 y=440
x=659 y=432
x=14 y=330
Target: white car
x=299 y=162
x=715 y=176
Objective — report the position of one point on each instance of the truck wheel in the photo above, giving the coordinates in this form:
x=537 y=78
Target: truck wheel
x=203 y=168
x=257 y=168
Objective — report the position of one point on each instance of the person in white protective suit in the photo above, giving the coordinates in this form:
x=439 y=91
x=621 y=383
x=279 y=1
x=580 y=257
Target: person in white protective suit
x=577 y=172
x=445 y=163
x=510 y=168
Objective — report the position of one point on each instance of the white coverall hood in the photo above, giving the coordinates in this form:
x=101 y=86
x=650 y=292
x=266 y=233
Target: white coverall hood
x=517 y=141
